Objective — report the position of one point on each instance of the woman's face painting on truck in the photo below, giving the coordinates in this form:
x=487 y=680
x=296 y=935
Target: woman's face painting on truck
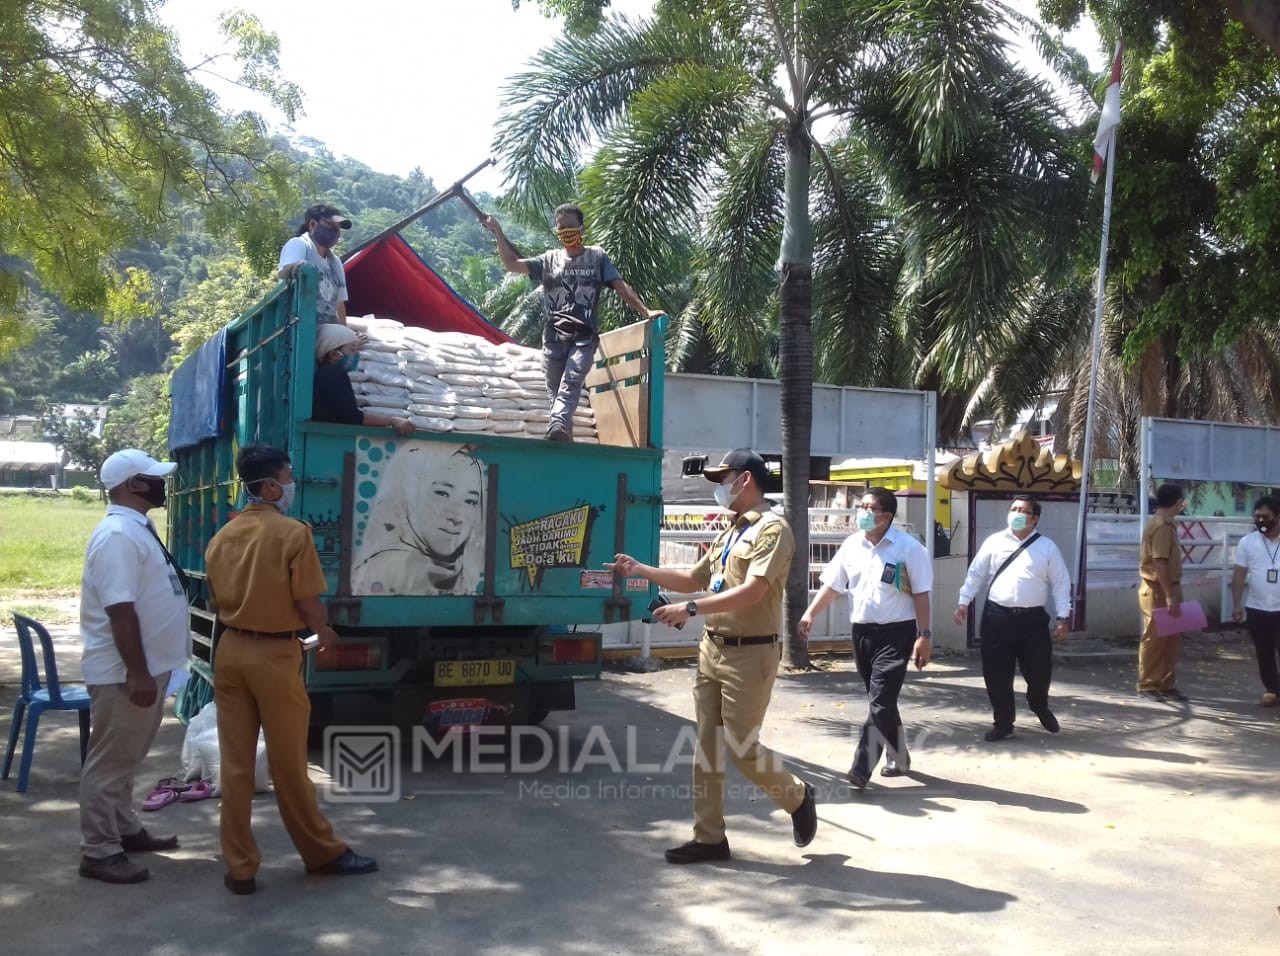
x=420 y=527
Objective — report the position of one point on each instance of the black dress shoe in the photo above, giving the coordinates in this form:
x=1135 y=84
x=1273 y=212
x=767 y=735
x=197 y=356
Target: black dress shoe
x=239 y=887
x=997 y=733
x=856 y=780
x=1048 y=721
x=144 y=842
x=1174 y=694
x=349 y=864
x=1152 y=695
x=804 y=821
x=695 y=852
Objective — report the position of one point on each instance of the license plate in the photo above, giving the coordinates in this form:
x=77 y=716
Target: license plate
x=474 y=673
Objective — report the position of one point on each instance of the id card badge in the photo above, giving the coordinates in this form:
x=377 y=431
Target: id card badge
x=174 y=583
x=1273 y=576
x=889 y=574
x=717 y=584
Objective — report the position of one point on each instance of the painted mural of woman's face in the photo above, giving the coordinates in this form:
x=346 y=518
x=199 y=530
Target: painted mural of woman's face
x=453 y=503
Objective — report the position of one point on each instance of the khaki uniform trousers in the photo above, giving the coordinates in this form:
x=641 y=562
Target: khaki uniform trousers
x=120 y=736
x=730 y=695
x=1157 y=656
x=258 y=683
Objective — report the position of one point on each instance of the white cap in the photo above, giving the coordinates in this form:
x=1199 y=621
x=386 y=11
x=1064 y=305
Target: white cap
x=128 y=462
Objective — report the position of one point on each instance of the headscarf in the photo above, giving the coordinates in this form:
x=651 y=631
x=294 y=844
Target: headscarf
x=330 y=336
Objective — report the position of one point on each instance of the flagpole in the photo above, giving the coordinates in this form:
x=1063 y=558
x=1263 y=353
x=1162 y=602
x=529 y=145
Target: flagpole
x=1095 y=361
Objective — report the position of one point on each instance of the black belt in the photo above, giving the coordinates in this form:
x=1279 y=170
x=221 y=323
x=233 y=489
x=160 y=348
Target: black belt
x=268 y=635
x=741 y=641
x=883 y=627
x=1005 y=609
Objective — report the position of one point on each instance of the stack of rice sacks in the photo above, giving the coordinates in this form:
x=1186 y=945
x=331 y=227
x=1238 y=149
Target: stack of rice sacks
x=454 y=382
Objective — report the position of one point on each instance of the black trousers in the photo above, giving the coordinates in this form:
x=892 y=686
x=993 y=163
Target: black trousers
x=881 y=652
x=1264 y=628
x=1016 y=638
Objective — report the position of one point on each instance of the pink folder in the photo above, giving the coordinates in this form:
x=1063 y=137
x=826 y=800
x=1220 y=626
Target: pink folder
x=1192 y=619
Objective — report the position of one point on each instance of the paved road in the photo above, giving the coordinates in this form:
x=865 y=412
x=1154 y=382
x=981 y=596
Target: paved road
x=1142 y=828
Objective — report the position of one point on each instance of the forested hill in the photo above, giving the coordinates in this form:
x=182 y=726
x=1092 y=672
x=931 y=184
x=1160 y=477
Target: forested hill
x=201 y=284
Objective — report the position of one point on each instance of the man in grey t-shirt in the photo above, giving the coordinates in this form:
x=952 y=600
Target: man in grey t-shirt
x=571 y=280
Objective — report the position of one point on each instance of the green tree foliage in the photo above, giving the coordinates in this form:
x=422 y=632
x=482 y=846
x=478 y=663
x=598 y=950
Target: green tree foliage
x=229 y=288
x=79 y=435
x=101 y=126
x=1196 y=223
x=580 y=16
x=917 y=237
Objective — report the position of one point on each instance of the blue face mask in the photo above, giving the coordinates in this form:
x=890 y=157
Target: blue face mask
x=281 y=504
x=1017 y=521
x=866 y=520
x=326 y=236
x=350 y=362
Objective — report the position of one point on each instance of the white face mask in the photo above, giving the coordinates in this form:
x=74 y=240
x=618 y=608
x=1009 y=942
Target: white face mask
x=1017 y=521
x=725 y=496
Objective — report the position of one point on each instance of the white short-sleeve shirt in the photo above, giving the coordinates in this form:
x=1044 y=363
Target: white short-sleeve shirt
x=124 y=564
x=880 y=579
x=1261 y=560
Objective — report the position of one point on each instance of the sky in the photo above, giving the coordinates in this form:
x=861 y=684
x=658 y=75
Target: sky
x=396 y=84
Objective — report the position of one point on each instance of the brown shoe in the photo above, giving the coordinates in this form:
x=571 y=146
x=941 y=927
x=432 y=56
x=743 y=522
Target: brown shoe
x=1269 y=699
x=113 y=869
x=144 y=842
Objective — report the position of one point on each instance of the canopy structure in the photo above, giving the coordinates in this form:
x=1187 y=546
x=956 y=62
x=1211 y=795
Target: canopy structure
x=389 y=279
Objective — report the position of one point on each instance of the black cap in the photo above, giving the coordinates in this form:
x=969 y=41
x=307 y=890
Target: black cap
x=325 y=211
x=740 y=459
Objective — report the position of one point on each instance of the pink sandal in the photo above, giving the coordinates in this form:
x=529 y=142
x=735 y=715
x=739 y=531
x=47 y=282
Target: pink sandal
x=162 y=796
x=200 y=790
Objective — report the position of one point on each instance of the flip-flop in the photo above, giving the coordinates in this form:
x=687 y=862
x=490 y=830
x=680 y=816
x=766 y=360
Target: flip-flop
x=160 y=798
x=173 y=783
x=200 y=790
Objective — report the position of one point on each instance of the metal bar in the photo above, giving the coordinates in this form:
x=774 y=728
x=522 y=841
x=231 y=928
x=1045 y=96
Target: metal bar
x=931 y=464
x=439 y=199
x=489 y=602
x=618 y=607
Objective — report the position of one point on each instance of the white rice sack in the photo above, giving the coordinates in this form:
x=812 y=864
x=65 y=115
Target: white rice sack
x=507 y=428
x=457 y=378
x=381 y=358
x=431 y=424
x=506 y=415
x=427 y=410
x=466 y=410
x=386 y=410
x=385 y=375
x=471 y=424
x=365 y=323
x=383 y=401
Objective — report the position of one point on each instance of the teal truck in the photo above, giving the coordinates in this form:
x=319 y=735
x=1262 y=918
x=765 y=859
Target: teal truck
x=503 y=637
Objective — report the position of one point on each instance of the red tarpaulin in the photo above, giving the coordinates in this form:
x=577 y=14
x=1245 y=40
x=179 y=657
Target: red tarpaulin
x=391 y=281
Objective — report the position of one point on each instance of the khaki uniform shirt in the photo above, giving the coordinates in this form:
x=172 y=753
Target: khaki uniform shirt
x=1160 y=540
x=757 y=545
x=259 y=566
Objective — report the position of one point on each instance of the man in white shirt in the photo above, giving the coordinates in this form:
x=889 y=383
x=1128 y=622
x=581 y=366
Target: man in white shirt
x=887 y=575
x=319 y=233
x=133 y=621
x=1258 y=565
x=1021 y=568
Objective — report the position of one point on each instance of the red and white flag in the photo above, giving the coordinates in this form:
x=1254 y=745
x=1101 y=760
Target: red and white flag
x=1110 y=118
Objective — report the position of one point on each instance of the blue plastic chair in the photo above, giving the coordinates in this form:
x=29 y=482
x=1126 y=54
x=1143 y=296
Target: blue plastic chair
x=35 y=698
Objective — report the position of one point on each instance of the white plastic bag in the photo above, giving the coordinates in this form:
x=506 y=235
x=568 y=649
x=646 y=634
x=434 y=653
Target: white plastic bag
x=201 y=759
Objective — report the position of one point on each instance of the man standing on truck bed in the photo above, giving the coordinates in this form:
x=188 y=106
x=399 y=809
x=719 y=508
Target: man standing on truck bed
x=313 y=244
x=265 y=583
x=571 y=280
x=746 y=571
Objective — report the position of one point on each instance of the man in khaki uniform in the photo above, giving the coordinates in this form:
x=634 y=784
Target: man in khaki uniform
x=265 y=583
x=1161 y=571
x=745 y=570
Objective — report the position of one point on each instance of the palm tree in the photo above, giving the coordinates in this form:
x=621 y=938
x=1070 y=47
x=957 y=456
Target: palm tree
x=876 y=175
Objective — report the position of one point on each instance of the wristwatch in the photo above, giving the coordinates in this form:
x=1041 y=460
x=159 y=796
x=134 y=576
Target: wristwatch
x=692 y=608
x=928 y=635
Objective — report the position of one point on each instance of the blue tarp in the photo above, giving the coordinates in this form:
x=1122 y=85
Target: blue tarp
x=197 y=394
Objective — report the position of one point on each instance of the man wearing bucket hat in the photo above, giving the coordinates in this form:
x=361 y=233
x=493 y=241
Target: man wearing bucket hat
x=133 y=621
x=746 y=571
x=319 y=233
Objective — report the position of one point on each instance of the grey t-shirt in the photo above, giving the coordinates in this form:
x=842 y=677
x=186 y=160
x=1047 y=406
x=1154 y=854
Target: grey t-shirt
x=333 y=278
x=571 y=284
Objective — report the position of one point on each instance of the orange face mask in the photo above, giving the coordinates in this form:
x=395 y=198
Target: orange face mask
x=570 y=238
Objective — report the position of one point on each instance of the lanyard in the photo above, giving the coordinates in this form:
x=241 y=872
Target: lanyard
x=1271 y=554
x=733 y=539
